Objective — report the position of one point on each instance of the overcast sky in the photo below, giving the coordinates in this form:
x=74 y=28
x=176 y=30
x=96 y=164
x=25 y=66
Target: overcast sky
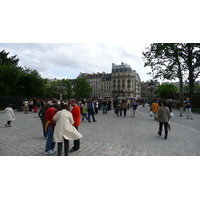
x=61 y=39
x=67 y=60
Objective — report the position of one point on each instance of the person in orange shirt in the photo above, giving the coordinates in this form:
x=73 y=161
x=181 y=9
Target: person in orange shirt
x=76 y=113
x=154 y=109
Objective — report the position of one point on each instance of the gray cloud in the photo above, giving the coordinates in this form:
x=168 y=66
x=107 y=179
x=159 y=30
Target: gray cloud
x=62 y=60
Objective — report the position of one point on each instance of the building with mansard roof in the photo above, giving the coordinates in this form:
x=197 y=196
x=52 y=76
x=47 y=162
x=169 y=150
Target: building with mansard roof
x=121 y=82
x=126 y=82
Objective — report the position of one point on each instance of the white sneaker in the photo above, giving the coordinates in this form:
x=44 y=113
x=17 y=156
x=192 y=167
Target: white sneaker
x=49 y=152
x=53 y=150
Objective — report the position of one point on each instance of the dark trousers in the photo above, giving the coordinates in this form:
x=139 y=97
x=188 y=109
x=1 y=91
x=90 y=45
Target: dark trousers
x=91 y=112
x=165 y=126
x=124 y=112
x=66 y=147
x=76 y=142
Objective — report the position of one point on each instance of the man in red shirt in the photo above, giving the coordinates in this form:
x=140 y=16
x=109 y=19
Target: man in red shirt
x=49 y=128
x=76 y=113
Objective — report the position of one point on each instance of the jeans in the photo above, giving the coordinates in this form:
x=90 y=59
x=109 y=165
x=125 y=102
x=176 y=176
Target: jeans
x=189 y=112
x=50 y=145
x=84 y=116
x=133 y=111
x=104 y=109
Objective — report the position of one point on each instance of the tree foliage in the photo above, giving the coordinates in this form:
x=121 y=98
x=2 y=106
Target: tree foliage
x=174 y=60
x=58 y=87
x=166 y=91
x=82 y=88
x=18 y=81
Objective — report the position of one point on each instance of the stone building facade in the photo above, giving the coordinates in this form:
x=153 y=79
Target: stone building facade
x=121 y=82
x=126 y=82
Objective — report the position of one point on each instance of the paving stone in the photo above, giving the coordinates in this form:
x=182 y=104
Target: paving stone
x=109 y=136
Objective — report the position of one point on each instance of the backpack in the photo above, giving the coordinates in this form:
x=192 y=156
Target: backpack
x=89 y=105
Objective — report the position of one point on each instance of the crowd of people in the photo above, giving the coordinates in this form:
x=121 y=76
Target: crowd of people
x=61 y=119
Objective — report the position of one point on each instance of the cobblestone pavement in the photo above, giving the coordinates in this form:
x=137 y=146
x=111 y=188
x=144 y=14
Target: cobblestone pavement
x=109 y=136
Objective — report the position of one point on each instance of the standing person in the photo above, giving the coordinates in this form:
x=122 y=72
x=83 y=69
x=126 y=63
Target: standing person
x=121 y=107
x=49 y=128
x=41 y=115
x=91 y=111
x=64 y=129
x=76 y=113
x=9 y=115
x=34 y=105
x=104 y=104
x=96 y=106
x=115 y=103
x=154 y=109
x=108 y=105
x=30 y=104
x=169 y=106
x=134 y=107
x=188 y=108
x=26 y=106
x=163 y=117
x=180 y=105
x=125 y=107
x=20 y=105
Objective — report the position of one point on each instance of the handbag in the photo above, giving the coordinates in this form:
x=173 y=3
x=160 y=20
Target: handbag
x=169 y=126
x=151 y=114
x=171 y=115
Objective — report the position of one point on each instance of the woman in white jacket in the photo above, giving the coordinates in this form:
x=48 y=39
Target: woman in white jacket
x=9 y=115
x=64 y=129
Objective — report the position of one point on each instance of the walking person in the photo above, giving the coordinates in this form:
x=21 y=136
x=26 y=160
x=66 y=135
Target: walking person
x=91 y=110
x=188 y=108
x=10 y=116
x=76 y=113
x=84 y=112
x=154 y=109
x=163 y=117
x=49 y=128
x=64 y=129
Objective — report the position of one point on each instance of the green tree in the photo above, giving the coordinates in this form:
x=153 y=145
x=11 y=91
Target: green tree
x=174 y=60
x=58 y=87
x=30 y=83
x=166 y=91
x=82 y=88
x=8 y=79
x=9 y=74
x=196 y=88
x=5 y=60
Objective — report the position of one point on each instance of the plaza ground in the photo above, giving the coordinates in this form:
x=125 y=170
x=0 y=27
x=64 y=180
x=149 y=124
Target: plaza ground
x=109 y=136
